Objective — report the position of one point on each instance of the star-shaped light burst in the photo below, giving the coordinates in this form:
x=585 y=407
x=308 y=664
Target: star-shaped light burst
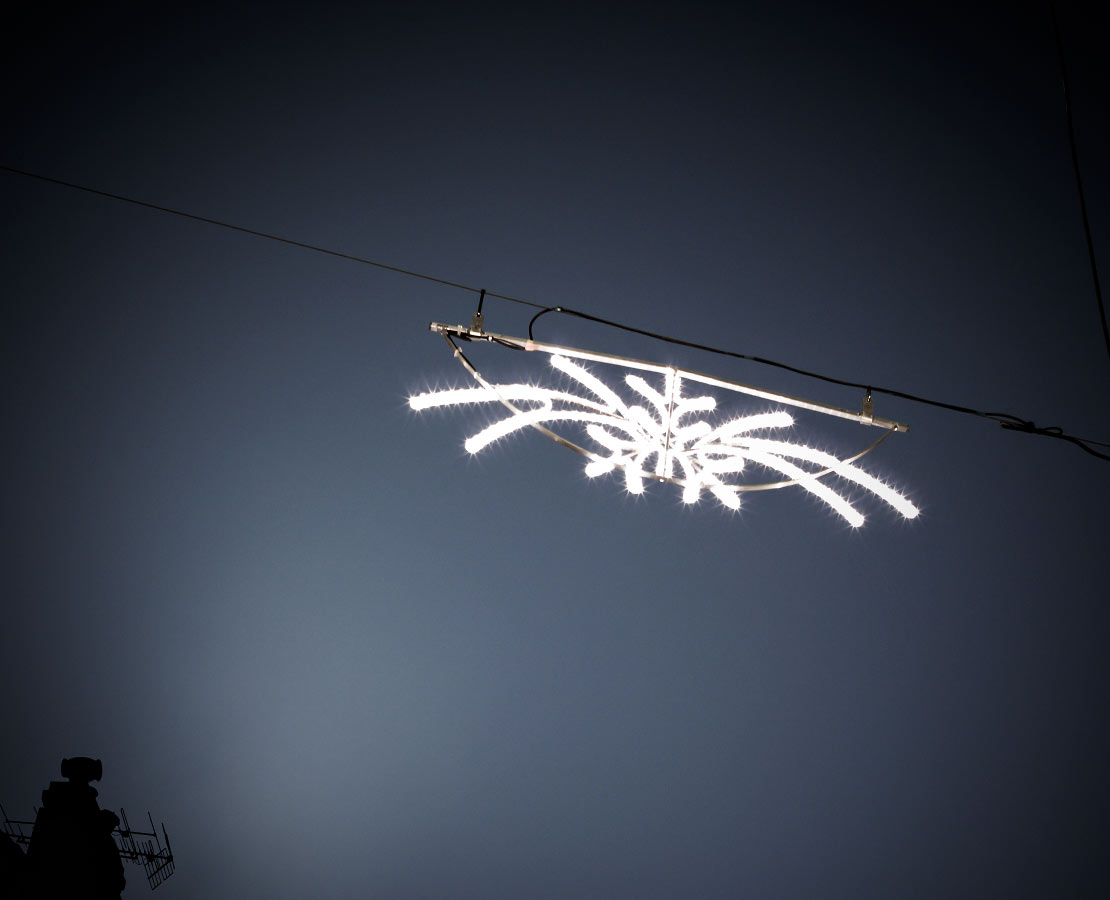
x=662 y=434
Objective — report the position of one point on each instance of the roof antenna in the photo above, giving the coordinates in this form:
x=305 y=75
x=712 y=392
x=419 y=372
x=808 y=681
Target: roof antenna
x=74 y=847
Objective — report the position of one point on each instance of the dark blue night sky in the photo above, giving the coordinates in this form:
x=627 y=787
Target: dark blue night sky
x=340 y=657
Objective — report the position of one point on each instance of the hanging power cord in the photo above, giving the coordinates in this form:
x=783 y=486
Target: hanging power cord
x=1010 y=422
x=1079 y=179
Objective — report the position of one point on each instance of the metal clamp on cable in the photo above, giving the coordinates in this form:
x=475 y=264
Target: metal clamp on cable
x=476 y=319
x=868 y=411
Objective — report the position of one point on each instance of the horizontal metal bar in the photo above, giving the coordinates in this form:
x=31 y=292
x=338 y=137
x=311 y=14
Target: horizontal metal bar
x=470 y=334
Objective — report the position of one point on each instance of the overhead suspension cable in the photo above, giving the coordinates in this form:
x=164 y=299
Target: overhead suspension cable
x=1079 y=180
x=264 y=234
x=1006 y=420
x=1010 y=422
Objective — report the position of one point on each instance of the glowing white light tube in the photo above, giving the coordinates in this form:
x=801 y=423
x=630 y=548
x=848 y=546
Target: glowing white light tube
x=665 y=437
x=844 y=470
x=807 y=482
x=498 y=430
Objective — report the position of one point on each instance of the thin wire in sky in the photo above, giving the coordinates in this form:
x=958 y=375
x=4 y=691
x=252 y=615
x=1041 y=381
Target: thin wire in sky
x=1079 y=180
x=1006 y=420
x=265 y=234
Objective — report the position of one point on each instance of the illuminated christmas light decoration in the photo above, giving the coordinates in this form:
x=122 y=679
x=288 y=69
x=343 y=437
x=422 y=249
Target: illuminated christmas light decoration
x=660 y=432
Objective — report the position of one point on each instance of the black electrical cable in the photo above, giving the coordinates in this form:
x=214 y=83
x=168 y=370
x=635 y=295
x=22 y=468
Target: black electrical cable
x=268 y=236
x=1079 y=180
x=1014 y=423
x=1006 y=420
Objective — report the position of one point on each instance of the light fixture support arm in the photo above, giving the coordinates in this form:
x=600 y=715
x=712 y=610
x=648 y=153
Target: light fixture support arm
x=865 y=417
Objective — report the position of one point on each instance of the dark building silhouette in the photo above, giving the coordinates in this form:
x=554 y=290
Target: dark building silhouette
x=13 y=869
x=75 y=849
x=72 y=853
